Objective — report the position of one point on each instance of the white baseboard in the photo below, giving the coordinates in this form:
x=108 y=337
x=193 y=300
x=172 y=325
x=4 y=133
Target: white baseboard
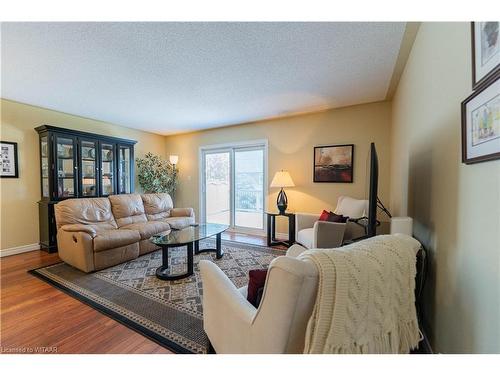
x=19 y=250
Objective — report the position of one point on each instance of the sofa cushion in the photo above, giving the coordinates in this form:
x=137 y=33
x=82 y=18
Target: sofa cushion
x=127 y=209
x=157 y=206
x=88 y=211
x=305 y=237
x=110 y=239
x=179 y=222
x=179 y=212
x=148 y=229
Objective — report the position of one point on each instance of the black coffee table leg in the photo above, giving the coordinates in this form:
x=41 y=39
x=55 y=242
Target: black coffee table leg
x=164 y=257
x=190 y=259
x=163 y=271
x=218 y=247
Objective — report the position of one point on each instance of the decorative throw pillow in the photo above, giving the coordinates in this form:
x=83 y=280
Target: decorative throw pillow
x=330 y=216
x=257 y=279
x=333 y=217
x=324 y=216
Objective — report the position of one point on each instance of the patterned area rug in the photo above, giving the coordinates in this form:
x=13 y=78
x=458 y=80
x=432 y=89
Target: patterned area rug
x=168 y=312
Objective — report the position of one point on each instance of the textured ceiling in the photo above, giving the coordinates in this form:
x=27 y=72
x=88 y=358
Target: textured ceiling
x=177 y=77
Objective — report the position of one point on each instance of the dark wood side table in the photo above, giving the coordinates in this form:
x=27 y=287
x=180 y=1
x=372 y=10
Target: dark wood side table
x=271 y=229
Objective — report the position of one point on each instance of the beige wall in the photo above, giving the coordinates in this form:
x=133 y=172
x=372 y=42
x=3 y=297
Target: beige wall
x=291 y=142
x=19 y=209
x=455 y=206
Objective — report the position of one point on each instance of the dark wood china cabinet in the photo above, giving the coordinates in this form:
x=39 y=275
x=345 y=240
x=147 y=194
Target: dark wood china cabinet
x=75 y=164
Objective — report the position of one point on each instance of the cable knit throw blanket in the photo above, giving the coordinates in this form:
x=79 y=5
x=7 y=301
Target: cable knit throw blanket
x=366 y=297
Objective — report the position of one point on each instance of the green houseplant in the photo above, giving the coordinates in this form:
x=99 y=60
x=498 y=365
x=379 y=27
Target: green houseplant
x=156 y=175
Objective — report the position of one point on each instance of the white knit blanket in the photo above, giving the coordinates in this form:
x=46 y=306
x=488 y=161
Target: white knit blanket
x=366 y=297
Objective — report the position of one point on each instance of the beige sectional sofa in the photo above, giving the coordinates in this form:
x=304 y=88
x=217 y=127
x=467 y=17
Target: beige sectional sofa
x=96 y=233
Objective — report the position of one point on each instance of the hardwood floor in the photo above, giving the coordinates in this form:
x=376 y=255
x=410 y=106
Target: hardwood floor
x=36 y=316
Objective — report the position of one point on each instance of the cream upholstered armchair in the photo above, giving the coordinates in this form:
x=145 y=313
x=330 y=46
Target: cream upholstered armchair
x=234 y=325
x=314 y=234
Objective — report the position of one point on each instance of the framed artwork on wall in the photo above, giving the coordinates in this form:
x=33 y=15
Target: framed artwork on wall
x=481 y=123
x=8 y=166
x=485 y=51
x=333 y=163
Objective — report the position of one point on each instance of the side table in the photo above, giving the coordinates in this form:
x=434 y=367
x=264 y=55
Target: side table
x=271 y=229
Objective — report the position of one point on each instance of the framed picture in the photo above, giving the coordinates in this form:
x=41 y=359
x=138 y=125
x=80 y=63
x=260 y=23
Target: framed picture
x=485 y=51
x=333 y=163
x=481 y=123
x=8 y=167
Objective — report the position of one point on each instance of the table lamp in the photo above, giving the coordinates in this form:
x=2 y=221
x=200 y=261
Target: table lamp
x=173 y=159
x=282 y=179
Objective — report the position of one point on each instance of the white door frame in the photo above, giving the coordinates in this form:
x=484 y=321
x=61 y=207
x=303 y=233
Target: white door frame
x=231 y=146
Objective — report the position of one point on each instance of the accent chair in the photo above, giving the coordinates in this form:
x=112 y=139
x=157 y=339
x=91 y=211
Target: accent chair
x=234 y=325
x=314 y=234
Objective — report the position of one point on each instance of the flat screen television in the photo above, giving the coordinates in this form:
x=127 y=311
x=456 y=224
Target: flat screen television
x=371 y=229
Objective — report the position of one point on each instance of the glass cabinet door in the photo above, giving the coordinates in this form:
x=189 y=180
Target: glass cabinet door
x=124 y=169
x=88 y=168
x=107 y=169
x=66 y=167
x=44 y=159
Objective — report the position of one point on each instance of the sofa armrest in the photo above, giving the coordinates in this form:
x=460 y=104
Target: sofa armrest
x=295 y=250
x=227 y=315
x=76 y=248
x=328 y=234
x=304 y=220
x=80 y=228
x=176 y=212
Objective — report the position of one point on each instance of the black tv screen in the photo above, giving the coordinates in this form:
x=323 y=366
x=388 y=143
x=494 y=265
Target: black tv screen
x=372 y=199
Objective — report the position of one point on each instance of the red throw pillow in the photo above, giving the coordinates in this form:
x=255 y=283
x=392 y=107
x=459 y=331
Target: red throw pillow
x=257 y=279
x=324 y=216
x=330 y=216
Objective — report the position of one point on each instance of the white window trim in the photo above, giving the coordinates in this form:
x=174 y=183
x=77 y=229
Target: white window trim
x=233 y=145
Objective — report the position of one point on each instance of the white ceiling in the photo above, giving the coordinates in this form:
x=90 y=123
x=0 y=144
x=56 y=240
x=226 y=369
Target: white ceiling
x=178 y=77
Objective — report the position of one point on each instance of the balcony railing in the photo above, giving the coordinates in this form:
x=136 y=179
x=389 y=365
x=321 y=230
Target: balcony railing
x=249 y=200
x=248 y=208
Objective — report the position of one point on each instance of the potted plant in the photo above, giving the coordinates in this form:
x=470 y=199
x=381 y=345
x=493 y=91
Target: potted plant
x=156 y=175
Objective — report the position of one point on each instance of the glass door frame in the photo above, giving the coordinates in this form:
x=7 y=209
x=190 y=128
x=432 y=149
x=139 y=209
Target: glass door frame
x=131 y=176
x=114 y=170
x=50 y=167
x=232 y=148
x=55 y=153
x=96 y=167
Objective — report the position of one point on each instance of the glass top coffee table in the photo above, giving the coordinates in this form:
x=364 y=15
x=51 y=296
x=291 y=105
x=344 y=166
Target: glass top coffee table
x=189 y=237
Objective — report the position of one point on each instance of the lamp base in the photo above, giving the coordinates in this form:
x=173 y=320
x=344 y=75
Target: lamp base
x=282 y=202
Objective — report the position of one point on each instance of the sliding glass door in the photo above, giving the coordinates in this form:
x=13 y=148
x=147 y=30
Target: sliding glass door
x=233 y=186
x=249 y=188
x=218 y=187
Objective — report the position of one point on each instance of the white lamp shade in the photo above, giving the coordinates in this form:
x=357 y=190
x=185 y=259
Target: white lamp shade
x=174 y=159
x=282 y=179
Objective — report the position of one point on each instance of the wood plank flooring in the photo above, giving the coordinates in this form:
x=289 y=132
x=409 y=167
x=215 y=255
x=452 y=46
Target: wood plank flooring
x=35 y=315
